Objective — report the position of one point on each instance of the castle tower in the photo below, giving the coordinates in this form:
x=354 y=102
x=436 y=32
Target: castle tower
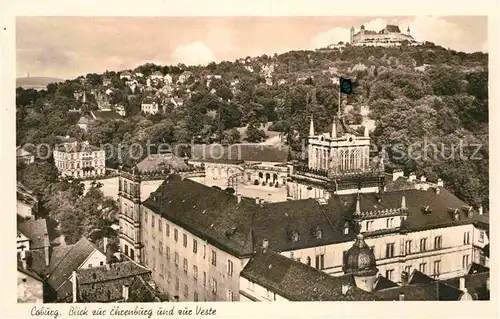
x=360 y=262
x=352 y=36
x=408 y=31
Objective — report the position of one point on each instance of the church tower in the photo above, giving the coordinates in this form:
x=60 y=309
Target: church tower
x=352 y=36
x=408 y=31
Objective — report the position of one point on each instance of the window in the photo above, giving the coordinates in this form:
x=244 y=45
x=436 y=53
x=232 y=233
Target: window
x=423 y=244
x=169 y=277
x=161 y=270
x=229 y=267
x=168 y=253
x=195 y=246
x=90 y=265
x=408 y=269
x=152 y=221
x=204 y=251
x=308 y=261
x=176 y=283
x=176 y=259
x=159 y=225
x=320 y=261
x=230 y=295
x=389 y=250
x=292 y=255
x=195 y=296
x=346 y=229
x=184 y=240
x=195 y=272
x=160 y=247
x=408 y=247
x=388 y=273
x=185 y=265
x=167 y=230
x=145 y=217
x=204 y=279
x=373 y=249
x=422 y=268
x=214 y=286
x=176 y=234
x=465 y=261
x=101 y=263
x=186 y=291
x=251 y=285
x=437 y=242
x=214 y=257
x=437 y=267
x=466 y=238
x=481 y=236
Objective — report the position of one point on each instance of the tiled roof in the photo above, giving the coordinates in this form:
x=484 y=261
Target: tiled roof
x=98 y=284
x=37 y=259
x=297 y=281
x=418 y=277
x=401 y=183
x=157 y=162
x=476 y=268
x=59 y=277
x=35 y=230
x=476 y=285
x=341 y=127
x=242 y=152
x=141 y=291
x=77 y=147
x=25 y=195
x=28 y=271
x=206 y=212
x=209 y=213
x=384 y=283
x=20 y=152
x=431 y=291
x=107 y=115
x=392 y=28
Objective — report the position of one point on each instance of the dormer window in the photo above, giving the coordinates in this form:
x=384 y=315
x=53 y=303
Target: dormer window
x=318 y=233
x=295 y=236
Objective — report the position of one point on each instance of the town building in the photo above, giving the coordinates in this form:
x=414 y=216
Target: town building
x=23 y=156
x=32 y=235
x=79 y=159
x=29 y=285
x=27 y=203
x=83 y=123
x=150 y=106
x=126 y=75
x=391 y=35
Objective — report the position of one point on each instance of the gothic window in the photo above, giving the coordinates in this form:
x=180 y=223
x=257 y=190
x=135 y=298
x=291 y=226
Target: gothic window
x=351 y=155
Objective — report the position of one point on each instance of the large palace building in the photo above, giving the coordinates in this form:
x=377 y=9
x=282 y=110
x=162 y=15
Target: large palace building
x=202 y=242
x=389 y=36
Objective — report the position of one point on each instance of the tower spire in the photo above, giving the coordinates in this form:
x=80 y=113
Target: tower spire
x=358 y=209
x=334 y=127
x=311 y=126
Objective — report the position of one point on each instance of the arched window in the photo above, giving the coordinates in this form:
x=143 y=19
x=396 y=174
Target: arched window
x=352 y=159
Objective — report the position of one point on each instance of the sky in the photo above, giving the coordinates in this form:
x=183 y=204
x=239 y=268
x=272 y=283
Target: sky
x=66 y=47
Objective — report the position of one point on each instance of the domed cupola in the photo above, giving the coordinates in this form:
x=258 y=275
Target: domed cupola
x=359 y=260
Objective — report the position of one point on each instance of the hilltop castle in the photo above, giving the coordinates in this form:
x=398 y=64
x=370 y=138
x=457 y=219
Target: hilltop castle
x=391 y=35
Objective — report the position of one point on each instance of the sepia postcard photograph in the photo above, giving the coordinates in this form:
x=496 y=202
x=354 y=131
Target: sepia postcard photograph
x=246 y=158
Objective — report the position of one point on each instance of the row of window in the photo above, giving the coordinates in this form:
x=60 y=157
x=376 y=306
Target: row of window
x=75 y=155
x=422 y=267
x=213 y=286
x=319 y=260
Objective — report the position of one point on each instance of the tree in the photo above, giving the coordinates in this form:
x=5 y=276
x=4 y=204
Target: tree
x=254 y=135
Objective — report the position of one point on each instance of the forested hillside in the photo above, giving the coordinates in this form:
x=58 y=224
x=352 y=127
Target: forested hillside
x=416 y=95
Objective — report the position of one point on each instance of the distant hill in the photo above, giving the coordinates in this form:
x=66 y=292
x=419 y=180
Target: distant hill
x=36 y=82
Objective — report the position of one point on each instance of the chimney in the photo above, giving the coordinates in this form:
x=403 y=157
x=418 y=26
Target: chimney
x=423 y=179
x=461 y=284
x=24 y=259
x=265 y=243
x=257 y=200
x=480 y=210
x=75 y=289
x=403 y=202
x=440 y=182
x=401 y=296
x=404 y=278
x=125 y=292
x=239 y=198
x=412 y=177
x=105 y=244
x=46 y=249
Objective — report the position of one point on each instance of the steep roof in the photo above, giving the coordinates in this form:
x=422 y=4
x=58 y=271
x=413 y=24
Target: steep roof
x=76 y=147
x=240 y=152
x=476 y=284
x=35 y=230
x=59 y=276
x=20 y=152
x=392 y=28
x=384 y=283
x=297 y=281
x=431 y=291
x=141 y=291
x=157 y=162
x=98 y=284
x=107 y=115
x=25 y=195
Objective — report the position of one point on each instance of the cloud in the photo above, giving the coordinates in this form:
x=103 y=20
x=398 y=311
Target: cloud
x=194 y=53
x=423 y=28
x=332 y=36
